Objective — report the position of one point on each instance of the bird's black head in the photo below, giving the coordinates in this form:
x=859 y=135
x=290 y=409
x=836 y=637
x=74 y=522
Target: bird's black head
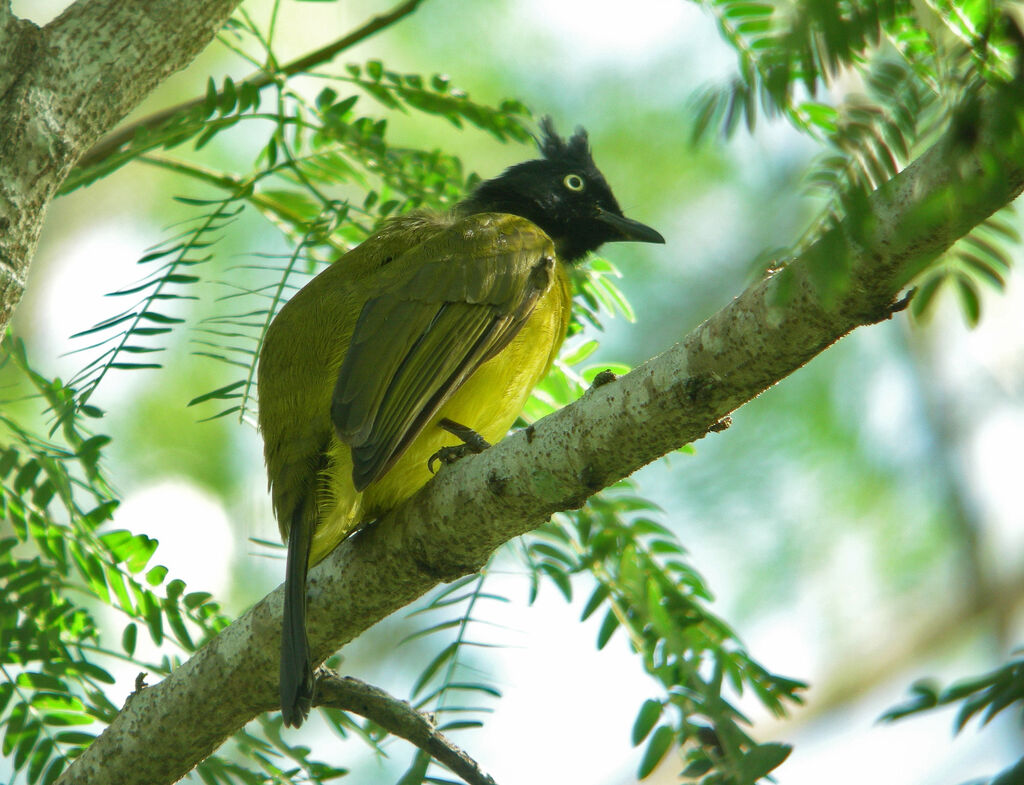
x=564 y=193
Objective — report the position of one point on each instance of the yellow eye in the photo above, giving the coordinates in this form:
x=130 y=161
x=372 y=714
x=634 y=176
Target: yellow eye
x=573 y=182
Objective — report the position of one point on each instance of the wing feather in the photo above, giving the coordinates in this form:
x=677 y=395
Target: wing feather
x=453 y=302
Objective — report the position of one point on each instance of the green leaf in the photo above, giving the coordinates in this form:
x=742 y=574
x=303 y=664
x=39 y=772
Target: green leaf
x=76 y=737
x=193 y=599
x=6 y=691
x=8 y=460
x=646 y=719
x=248 y=97
x=701 y=765
x=91 y=570
x=382 y=94
x=27 y=738
x=61 y=719
x=460 y=725
x=154 y=316
x=177 y=624
x=90 y=449
x=657 y=748
x=136 y=366
x=118 y=543
x=433 y=666
x=608 y=627
x=228 y=97
x=43 y=494
x=440 y=627
x=149 y=608
x=924 y=296
x=970 y=301
x=326 y=97
x=1014 y=775
x=545 y=549
x=176 y=588
x=115 y=580
x=342 y=108
x=26 y=476
x=457 y=686
x=210 y=102
x=92 y=671
x=41 y=681
x=129 y=638
x=599 y=595
x=580 y=353
x=559 y=577
x=417 y=770
x=985 y=270
x=762 y=760
x=54 y=771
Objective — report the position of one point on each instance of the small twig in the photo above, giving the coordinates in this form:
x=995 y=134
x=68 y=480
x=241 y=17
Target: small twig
x=140 y=685
x=721 y=425
x=397 y=717
x=115 y=140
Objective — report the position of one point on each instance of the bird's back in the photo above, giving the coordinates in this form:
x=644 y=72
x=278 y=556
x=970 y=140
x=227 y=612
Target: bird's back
x=303 y=350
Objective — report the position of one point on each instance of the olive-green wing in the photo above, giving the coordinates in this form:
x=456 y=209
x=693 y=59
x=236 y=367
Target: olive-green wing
x=454 y=302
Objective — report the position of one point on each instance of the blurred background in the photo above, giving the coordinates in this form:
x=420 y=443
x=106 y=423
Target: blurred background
x=862 y=523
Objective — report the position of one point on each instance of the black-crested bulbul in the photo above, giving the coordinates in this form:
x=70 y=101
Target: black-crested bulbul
x=437 y=319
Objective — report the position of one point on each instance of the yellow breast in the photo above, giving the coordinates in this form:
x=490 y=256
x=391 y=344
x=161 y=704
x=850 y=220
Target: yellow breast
x=489 y=402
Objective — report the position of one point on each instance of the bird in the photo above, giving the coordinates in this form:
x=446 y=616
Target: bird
x=422 y=342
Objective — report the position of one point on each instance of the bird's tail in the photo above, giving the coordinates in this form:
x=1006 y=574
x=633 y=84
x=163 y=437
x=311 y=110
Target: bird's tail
x=296 y=672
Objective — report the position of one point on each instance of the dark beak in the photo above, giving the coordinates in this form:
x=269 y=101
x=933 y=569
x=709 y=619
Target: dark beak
x=628 y=229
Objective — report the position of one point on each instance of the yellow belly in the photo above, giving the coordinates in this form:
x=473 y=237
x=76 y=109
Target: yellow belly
x=488 y=402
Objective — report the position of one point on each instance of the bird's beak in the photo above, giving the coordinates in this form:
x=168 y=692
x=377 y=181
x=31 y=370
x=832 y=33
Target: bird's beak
x=629 y=229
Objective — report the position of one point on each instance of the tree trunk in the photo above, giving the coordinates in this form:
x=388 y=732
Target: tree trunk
x=64 y=85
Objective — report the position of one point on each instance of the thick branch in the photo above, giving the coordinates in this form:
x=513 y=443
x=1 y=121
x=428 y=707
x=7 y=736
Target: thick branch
x=471 y=508
x=63 y=86
x=16 y=37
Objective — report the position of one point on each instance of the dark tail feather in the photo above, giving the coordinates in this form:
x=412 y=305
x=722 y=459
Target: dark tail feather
x=296 y=673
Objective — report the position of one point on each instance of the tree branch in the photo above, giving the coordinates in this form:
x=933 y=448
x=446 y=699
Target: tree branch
x=398 y=718
x=453 y=524
x=64 y=85
x=113 y=142
x=16 y=36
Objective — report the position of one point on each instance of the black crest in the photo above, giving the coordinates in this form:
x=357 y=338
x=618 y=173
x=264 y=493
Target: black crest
x=553 y=147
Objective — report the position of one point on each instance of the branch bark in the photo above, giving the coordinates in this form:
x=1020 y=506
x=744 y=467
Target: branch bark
x=453 y=525
x=63 y=85
x=398 y=718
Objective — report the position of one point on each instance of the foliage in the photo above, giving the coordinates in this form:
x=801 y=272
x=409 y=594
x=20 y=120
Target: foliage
x=645 y=587
x=60 y=565
x=874 y=82
x=326 y=173
x=983 y=696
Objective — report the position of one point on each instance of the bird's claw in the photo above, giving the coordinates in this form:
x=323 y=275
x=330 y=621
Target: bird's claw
x=472 y=443
x=448 y=455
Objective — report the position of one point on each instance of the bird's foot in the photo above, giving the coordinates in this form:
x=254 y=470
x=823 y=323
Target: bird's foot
x=472 y=443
